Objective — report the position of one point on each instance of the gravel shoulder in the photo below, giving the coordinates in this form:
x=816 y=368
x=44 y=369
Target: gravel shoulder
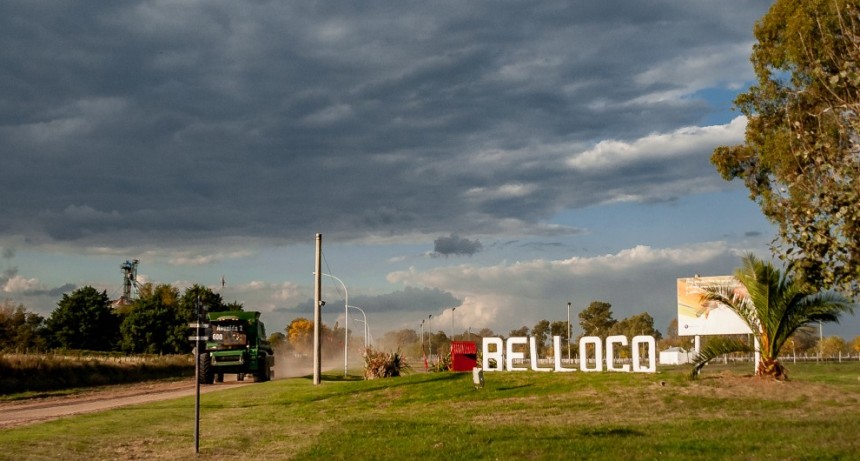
x=24 y=412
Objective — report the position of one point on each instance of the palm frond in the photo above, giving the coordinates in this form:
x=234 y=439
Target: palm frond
x=717 y=346
x=774 y=305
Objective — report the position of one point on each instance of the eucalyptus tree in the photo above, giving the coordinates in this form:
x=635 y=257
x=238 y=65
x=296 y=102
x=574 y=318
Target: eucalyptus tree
x=800 y=158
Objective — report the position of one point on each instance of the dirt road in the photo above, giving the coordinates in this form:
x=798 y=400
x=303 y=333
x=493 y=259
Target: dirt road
x=45 y=409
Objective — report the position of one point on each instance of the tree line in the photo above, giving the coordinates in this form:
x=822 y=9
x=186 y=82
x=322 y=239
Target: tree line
x=157 y=323
x=596 y=320
x=86 y=319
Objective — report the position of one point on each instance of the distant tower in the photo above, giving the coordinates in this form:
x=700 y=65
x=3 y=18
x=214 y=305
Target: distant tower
x=129 y=280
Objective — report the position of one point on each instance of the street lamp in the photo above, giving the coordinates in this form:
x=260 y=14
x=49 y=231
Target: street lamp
x=430 y=337
x=423 y=352
x=452 y=322
x=365 y=324
x=568 y=331
x=422 y=336
x=345 y=321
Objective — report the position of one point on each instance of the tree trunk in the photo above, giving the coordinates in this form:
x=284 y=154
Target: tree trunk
x=771 y=368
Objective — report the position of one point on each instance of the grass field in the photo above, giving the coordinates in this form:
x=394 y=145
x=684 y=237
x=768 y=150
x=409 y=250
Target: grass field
x=517 y=415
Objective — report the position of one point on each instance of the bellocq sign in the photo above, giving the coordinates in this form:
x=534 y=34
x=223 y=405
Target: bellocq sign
x=500 y=355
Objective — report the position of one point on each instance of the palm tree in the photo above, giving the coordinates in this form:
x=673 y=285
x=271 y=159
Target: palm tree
x=774 y=305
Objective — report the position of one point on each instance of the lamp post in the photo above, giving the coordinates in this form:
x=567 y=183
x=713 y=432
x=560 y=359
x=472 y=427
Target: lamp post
x=365 y=324
x=568 y=331
x=345 y=321
x=422 y=336
x=430 y=337
x=452 y=323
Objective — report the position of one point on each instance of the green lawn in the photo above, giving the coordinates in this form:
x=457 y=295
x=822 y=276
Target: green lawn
x=517 y=415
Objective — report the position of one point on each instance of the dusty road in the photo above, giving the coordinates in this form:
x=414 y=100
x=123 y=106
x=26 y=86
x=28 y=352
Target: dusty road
x=45 y=409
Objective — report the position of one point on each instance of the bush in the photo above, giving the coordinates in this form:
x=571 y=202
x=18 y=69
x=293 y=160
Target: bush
x=379 y=364
x=443 y=363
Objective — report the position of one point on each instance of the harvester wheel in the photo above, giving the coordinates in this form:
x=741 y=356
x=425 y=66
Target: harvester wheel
x=207 y=375
x=263 y=370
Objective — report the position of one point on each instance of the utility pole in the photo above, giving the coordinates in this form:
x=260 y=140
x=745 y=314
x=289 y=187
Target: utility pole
x=317 y=310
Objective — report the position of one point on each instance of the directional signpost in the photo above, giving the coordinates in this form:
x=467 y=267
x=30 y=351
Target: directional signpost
x=199 y=338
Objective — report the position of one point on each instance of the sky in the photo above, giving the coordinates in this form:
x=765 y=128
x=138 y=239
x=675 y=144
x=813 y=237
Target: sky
x=481 y=162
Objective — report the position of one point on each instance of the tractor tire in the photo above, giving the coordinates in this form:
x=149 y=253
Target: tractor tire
x=263 y=373
x=206 y=375
x=219 y=377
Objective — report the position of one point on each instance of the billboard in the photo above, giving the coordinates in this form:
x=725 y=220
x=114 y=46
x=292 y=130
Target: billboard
x=699 y=317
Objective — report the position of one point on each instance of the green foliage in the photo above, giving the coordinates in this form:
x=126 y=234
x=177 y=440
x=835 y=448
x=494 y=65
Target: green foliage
x=800 y=156
x=20 y=329
x=277 y=339
x=208 y=299
x=157 y=322
x=596 y=319
x=540 y=332
x=832 y=346
x=231 y=306
x=715 y=347
x=444 y=362
x=774 y=305
x=522 y=331
x=84 y=320
x=378 y=364
x=153 y=324
x=559 y=328
x=640 y=324
x=441 y=342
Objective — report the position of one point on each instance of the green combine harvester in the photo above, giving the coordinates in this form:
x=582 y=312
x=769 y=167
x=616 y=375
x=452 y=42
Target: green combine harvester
x=237 y=345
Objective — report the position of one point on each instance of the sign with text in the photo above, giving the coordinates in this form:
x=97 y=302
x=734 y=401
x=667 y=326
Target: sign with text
x=500 y=355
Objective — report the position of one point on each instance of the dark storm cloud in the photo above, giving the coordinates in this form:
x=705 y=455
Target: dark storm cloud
x=160 y=122
x=456 y=245
x=406 y=300
x=53 y=292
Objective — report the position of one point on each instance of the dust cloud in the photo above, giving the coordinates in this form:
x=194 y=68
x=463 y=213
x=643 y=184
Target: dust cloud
x=290 y=365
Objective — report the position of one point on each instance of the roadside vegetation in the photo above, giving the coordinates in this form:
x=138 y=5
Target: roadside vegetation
x=726 y=414
x=28 y=375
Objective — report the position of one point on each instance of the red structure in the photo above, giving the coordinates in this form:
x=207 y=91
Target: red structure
x=464 y=355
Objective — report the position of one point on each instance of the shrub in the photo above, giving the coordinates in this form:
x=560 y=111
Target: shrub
x=443 y=363
x=378 y=364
